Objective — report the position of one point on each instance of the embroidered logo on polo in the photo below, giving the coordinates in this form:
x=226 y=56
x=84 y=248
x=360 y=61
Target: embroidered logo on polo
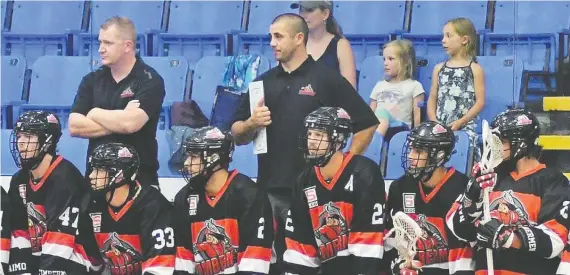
x=127 y=93
x=307 y=90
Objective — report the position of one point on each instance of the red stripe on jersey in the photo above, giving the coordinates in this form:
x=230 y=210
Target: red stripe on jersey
x=59 y=238
x=256 y=252
x=21 y=234
x=456 y=254
x=160 y=260
x=4 y=244
x=565 y=256
x=304 y=249
x=557 y=228
x=452 y=211
x=366 y=238
x=498 y=272
x=184 y=253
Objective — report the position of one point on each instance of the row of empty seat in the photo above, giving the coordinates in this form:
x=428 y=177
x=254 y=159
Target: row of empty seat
x=388 y=155
x=503 y=81
x=202 y=28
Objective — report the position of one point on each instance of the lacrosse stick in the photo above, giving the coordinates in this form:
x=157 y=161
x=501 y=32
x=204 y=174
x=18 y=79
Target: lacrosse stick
x=491 y=158
x=407 y=232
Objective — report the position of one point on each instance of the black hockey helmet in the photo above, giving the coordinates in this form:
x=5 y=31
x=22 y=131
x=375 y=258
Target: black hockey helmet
x=27 y=150
x=212 y=146
x=115 y=164
x=433 y=138
x=333 y=121
x=521 y=128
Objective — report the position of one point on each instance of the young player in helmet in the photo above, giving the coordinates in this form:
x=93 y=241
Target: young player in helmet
x=336 y=218
x=223 y=219
x=58 y=237
x=131 y=221
x=425 y=193
x=527 y=229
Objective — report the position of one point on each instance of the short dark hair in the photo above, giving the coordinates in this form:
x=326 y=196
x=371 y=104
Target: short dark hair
x=298 y=24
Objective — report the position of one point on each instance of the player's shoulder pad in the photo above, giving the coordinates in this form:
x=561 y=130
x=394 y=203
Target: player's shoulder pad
x=69 y=178
x=245 y=186
x=364 y=167
x=551 y=176
x=152 y=199
x=182 y=195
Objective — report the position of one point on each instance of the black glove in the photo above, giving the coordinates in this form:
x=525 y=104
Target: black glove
x=471 y=203
x=398 y=268
x=527 y=238
x=494 y=234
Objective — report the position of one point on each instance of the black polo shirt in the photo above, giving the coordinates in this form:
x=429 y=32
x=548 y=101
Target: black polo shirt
x=291 y=97
x=98 y=89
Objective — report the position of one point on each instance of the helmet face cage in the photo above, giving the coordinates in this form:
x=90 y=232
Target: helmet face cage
x=111 y=166
x=28 y=148
x=433 y=158
x=520 y=128
x=336 y=141
x=203 y=161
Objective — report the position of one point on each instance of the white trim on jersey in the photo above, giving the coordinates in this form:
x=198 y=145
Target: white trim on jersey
x=292 y=256
x=64 y=251
x=555 y=240
x=186 y=265
x=366 y=250
x=254 y=265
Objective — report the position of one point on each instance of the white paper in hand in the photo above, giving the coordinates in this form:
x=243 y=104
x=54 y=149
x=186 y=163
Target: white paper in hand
x=256 y=93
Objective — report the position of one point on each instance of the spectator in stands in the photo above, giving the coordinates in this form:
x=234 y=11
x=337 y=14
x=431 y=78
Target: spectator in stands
x=122 y=100
x=326 y=42
x=298 y=86
x=396 y=100
x=457 y=93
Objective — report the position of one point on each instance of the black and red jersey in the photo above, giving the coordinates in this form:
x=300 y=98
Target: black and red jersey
x=535 y=201
x=136 y=238
x=229 y=233
x=337 y=226
x=58 y=238
x=439 y=251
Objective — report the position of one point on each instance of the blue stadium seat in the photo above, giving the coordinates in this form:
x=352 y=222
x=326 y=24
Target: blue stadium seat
x=394 y=168
x=244 y=160
x=13 y=75
x=425 y=70
x=534 y=42
x=164 y=155
x=34 y=30
x=501 y=74
x=429 y=17
x=261 y=14
x=174 y=71
x=368 y=24
x=371 y=72
x=74 y=150
x=8 y=165
x=208 y=75
x=3 y=10
x=146 y=15
x=198 y=28
x=460 y=159
x=56 y=96
x=374 y=151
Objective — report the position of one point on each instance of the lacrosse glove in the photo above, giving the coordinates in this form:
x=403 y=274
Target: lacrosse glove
x=494 y=234
x=398 y=267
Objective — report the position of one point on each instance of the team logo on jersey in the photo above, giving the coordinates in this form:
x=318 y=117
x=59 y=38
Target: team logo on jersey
x=127 y=93
x=331 y=231
x=36 y=225
x=96 y=220
x=215 y=247
x=311 y=195
x=120 y=256
x=432 y=247
x=508 y=209
x=409 y=202
x=192 y=205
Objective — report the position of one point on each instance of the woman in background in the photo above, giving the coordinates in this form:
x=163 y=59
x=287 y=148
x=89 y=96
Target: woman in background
x=326 y=41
